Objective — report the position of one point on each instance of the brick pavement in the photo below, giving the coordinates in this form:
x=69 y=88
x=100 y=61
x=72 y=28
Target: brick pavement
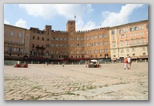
x=76 y=82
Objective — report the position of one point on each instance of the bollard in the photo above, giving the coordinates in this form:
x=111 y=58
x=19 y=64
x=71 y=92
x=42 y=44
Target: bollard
x=58 y=63
x=79 y=63
x=72 y=63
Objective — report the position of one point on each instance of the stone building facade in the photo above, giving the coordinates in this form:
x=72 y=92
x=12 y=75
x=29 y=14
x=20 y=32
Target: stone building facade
x=71 y=45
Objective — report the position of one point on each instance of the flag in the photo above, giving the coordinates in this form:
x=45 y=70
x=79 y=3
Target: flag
x=74 y=16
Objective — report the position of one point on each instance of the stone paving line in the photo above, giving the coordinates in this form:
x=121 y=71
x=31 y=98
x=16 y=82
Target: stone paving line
x=76 y=82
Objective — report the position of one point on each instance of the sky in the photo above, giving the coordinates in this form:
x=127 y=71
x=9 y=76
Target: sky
x=87 y=16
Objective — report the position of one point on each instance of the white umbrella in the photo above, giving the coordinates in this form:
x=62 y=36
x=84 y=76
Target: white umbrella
x=93 y=60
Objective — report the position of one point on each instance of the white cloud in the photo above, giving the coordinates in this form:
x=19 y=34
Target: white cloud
x=80 y=25
x=21 y=23
x=48 y=11
x=6 y=22
x=112 y=18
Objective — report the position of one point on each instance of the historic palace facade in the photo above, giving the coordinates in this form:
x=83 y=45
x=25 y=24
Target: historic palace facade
x=71 y=45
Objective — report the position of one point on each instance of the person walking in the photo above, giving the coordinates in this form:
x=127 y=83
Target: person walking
x=125 y=63
x=129 y=62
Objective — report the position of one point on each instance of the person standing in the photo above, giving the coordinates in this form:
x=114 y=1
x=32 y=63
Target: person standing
x=129 y=62
x=125 y=63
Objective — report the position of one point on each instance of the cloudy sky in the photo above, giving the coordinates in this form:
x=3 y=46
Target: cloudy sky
x=88 y=16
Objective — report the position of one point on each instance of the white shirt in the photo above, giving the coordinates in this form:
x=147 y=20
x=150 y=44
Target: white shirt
x=129 y=60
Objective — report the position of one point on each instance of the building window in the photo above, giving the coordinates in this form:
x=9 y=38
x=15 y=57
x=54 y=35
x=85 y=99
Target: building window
x=105 y=50
x=77 y=45
x=100 y=43
x=113 y=37
x=42 y=39
x=77 y=52
x=52 y=45
x=112 y=32
x=82 y=45
x=120 y=31
x=82 y=38
x=105 y=35
x=122 y=50
x=127 y=49
x=19 y=42
x=147 y=26
x=47 y=39
x=61 y=38
x=131 y=29
x=12 y=33
x=38 y=38
x=136 y=28
x=114 y=51
x=71 y=38
x=71 y=52
x=100 y=50
x=10 y=49
x=47 y=53
x=95 y=36
x=65 y=39
x=127 y=42
x=137 y=41
x=105 y=43
x=96 y=51
x=11 y=40
x=142 y=33
x=143 y=40
x=87 y=38
x=133 y=49
x=47 y=46
x=56 y=38
x=100 y=36
x=71 y=45
x=71 y=33
x=56 y=45
x=26 y=42
x=33 y=37
x=65 y=45
x=121 y=43
x=133 y=54
x=126 y=36
x=141 y=27
x=144 y=53
x=33 y=46
x=27 y=36
x=19 y=35
x=91 y=37
x=77 y=39
x=53 y=38
x=61 y=45
x=113 y=44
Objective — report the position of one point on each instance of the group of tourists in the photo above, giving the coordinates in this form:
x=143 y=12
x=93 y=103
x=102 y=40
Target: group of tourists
x=127 y=62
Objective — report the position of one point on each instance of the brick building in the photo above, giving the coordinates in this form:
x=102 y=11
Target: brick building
x=71 y=45
x=129 y=40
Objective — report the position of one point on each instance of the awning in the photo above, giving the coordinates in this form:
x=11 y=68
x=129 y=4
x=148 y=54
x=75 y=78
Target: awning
x=94 y=61
x=114 y=59
x=79 y=58
x=134 y=57
x=143 y=57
